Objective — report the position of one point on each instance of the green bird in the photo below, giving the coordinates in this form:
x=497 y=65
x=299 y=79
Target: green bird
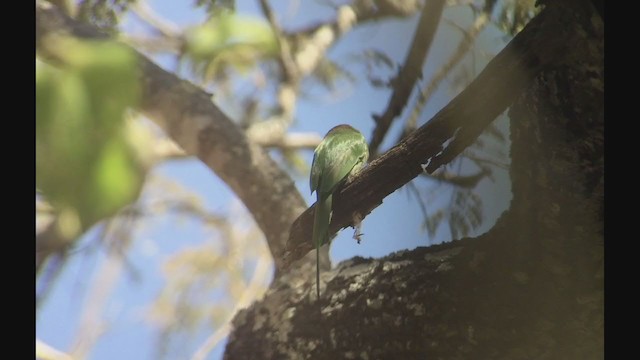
x=341 y=154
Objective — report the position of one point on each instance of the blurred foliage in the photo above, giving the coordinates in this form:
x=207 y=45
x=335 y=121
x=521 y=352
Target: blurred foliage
x=217 y=7
x=204 y=281
x=229 y=41
x=188 y=301
x=295 y=162
x=375 y=62
x=432 y=222
x=329 y=73
x=465 y=213
x=104 y=14
x=85 y=164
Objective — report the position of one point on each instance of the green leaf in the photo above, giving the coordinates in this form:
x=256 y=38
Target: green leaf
x=229 y=40
x=84 y=163
x=115 y=177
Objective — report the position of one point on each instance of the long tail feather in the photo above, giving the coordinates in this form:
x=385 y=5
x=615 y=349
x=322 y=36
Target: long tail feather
x=321 y=222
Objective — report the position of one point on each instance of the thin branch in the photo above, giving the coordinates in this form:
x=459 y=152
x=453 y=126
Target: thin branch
x=410 y=72
x=277 y=125
x=91 y=325
x=168 y=29
x=480 y=161
x=49 y=242
x=414 y=189
x=250 y=293
x=373 y=11
x=49 y=275
x=302 y=51
x=170 y=39
x=464 y=181
x=310 y=50
x=463 y=47
x=286 y=62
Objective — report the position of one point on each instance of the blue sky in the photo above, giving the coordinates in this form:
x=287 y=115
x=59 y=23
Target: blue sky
x=395 y=225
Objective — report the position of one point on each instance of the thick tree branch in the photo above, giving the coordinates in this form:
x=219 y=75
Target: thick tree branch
x=188 y=116
x=292 y=141
x=410 y=72
x=451 y=130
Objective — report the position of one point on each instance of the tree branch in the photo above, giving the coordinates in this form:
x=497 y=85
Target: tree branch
x=286 y=62
x=187 y=114
x=307 y=48
x=275 y=127
x=292 y=141
x=450 y=131
x=463 y=181
x=47 y=352
x=463 y=47
x=410 y=72
x=163 y=26
x=309 y=51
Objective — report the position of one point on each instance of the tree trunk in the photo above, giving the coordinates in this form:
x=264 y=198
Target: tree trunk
x=531 y=288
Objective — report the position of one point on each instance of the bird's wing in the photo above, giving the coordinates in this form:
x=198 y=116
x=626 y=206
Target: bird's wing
x=346 y=155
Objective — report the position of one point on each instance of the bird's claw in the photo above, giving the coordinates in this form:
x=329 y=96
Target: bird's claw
x=357 y=223
x=357 y=235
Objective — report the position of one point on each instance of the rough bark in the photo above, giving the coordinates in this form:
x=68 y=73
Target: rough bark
x=530 y=288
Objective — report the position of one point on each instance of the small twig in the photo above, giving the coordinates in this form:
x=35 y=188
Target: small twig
x=91 y=325
x=410 y=72
x=413 y=188
x=287 y=64
x=48 y=352
x=276 y=126
x=464 y=181
x=248 y=295
x=48 y=277
x=170 y=40
x=427 y=92
x=146 y=14
x=479 y=161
